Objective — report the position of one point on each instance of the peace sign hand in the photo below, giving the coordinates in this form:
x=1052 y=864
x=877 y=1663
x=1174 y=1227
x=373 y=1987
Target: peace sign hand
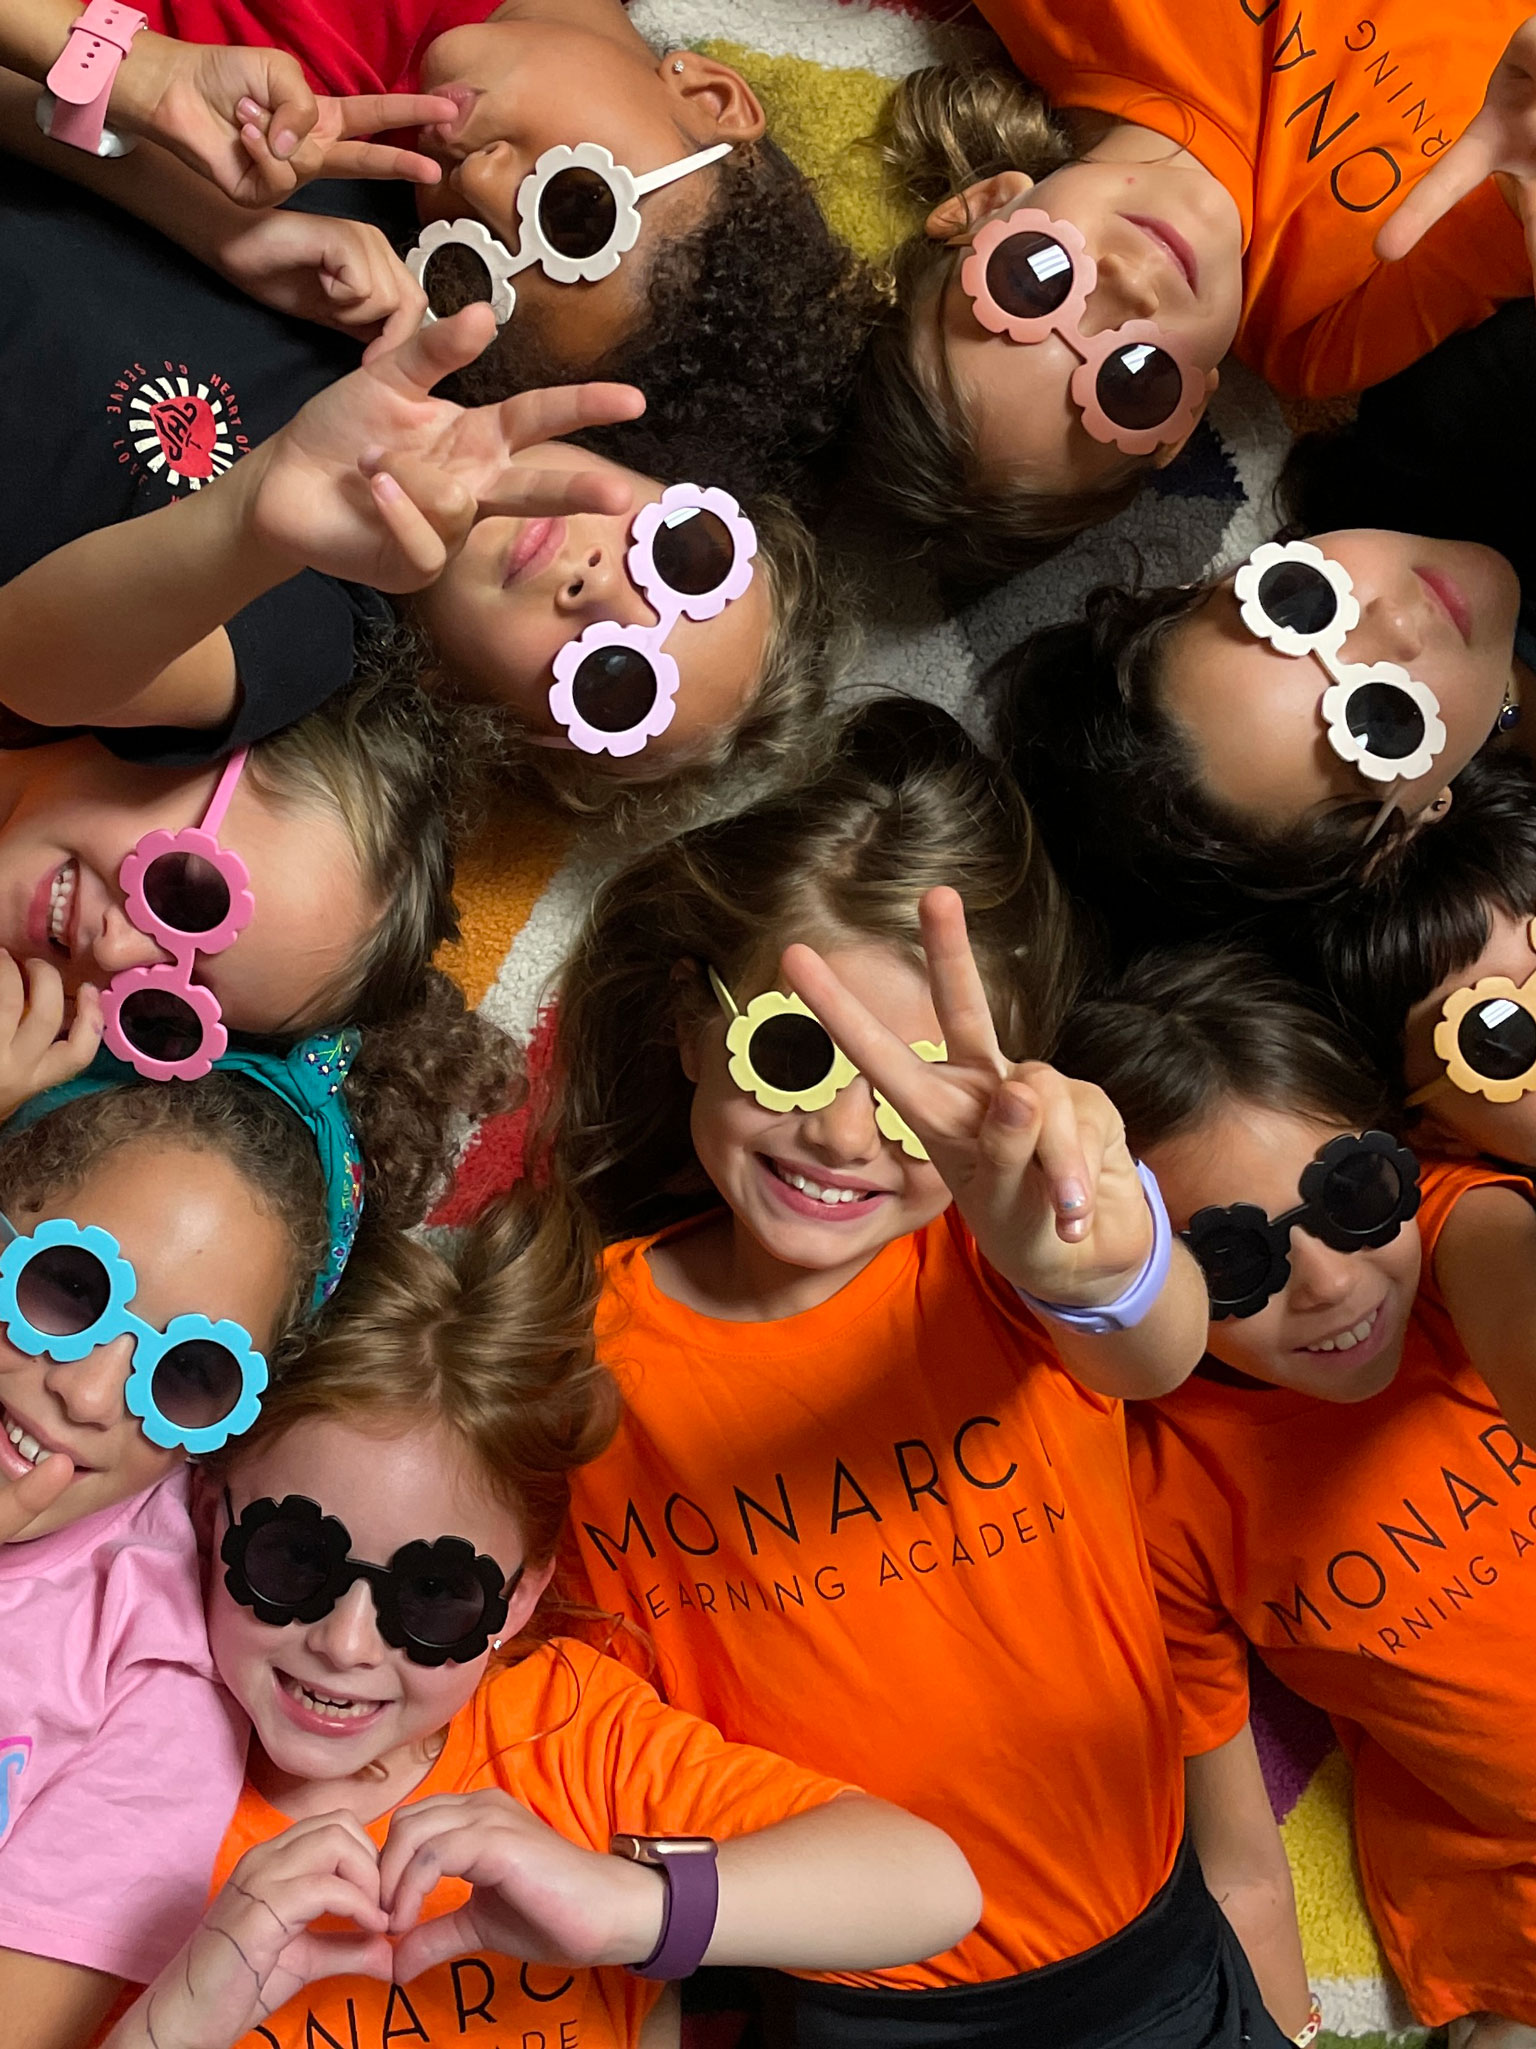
x=1500 y=137
x=1037 y=1163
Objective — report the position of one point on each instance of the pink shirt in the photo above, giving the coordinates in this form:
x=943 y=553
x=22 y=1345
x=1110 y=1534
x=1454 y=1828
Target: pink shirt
x=121 y=1756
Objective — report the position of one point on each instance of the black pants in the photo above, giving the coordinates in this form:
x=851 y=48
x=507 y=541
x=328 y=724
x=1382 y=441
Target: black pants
x=1176 y=1978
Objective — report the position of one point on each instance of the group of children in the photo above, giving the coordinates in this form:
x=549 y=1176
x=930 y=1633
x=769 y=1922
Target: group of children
x=1006 y=1234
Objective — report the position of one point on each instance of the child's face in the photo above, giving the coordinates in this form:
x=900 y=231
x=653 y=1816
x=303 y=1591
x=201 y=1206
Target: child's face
x=328 y=1698
x=776 y=1169
x=1336 y=1329
x=1167 y=244
x=521 y=588
x=1456 y=1121
x=1442 y=610
x=70 y=813
x=188 y=1224
x=528 y=86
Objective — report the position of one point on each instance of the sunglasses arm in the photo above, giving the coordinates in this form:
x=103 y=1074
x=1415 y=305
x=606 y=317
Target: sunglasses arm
x=652 y=181
x=723 y=995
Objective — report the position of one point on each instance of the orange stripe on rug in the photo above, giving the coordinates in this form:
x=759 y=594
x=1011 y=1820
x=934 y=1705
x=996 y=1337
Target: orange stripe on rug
x=501 y=875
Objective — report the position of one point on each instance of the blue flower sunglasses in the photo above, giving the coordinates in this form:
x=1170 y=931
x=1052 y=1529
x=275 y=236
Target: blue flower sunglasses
x=65 y=1290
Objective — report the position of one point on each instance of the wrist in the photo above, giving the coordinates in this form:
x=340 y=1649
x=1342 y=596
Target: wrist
x=1136 y=1294
x=141 y=82
x=640 y=1899
x=272 y=559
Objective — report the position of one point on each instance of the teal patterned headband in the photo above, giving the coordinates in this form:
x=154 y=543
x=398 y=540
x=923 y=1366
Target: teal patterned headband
x=309 y=1080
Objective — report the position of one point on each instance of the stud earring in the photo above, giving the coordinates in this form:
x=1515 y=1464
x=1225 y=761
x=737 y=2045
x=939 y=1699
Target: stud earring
x=678 y=65
x=497 y=1642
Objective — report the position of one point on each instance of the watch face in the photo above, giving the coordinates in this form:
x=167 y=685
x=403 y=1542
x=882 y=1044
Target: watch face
x=656 y=1849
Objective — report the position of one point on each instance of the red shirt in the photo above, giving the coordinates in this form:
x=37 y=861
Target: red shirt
x=345 y=46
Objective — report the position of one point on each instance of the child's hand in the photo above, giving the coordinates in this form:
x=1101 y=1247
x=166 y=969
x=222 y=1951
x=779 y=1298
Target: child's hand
x=1037 y=1163
x=337 y=273
x=248 y=122
x=1500 y=137
x=536 y=1896
x=23 y=1501
x=255 y=1948
x=32 y=1055
x=325 y=490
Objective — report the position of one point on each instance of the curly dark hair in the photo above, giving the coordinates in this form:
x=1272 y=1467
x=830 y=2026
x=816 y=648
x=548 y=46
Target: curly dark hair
x=1114 y=785
x=748 y=354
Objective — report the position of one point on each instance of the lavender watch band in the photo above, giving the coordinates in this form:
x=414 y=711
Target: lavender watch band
x=688 y=1920
x=1128 y=1309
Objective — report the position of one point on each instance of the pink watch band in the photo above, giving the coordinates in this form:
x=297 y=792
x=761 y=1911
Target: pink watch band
x=81 y=80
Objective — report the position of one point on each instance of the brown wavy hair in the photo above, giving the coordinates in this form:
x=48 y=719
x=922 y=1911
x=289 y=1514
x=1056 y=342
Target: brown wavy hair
x=911 y=451
x=908 y=802
x=493 y=1337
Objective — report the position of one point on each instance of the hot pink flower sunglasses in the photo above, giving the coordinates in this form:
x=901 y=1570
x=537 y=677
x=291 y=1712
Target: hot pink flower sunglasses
x=191 y=896
x=1029 y=276
x=615 y=687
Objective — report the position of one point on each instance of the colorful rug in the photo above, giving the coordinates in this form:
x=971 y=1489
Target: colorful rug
x=823 y=71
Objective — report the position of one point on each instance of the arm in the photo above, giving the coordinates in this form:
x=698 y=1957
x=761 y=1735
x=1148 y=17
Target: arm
x=1485 y=1268
x=1247 y=1873
x=49 y=2005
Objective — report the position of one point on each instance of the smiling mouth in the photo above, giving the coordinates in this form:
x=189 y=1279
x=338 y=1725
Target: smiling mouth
x=23 y=1442
x=831 y=1195
x=331 y=1707
x=1346 y=1340
x=63 y=894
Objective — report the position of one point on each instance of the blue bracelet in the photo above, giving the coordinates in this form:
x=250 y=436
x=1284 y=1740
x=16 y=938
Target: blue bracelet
x=1127 y=1310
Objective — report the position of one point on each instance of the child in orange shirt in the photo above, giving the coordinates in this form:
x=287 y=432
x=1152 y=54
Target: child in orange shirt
x=1167 y=181
x=1337 y=1485
x=868 y=1501
x=454 y=1809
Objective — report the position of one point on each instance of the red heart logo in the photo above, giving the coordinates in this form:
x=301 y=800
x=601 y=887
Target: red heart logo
x=186 y=430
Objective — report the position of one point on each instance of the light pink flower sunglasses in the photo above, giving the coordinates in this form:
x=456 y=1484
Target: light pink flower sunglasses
x=615 y=687
x=191 y=896
x=1029 y=276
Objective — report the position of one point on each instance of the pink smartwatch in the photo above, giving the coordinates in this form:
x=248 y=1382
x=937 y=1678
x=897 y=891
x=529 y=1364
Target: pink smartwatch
x=74 y=108
x=693 y=1899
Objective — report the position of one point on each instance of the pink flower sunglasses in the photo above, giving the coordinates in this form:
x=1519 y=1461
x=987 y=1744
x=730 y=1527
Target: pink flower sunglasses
x=191 y=896
x=615 y=688
x=1029 y=276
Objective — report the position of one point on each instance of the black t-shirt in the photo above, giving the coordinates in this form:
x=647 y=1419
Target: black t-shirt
x=132 y=376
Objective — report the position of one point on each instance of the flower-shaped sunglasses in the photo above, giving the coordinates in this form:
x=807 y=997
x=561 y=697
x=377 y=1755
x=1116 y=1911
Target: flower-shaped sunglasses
x=615 y=687
x=1357 y=1193
x=1379 y=718
x=578 y=213
x=1029 y=276
x=783 y=1056
x=65 y=1290
x=191 y=896
x=288 y=1561
x=1486 y=1039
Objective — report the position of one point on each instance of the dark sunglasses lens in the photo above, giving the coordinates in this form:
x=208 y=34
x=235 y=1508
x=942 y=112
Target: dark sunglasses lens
x=1363 y=1192
x=693 y=551
x=197 y=1384
x=1029 y=275
x=1497 y=1039
x=63 y=1290
x=1295 y=595
x=791 y=1052
x=442 y=1602
x=614 y=689
x=1139 y=386
x=1386 y=719
x=1235 y=1262
x=160 y=1025
x=286 y=1562
x=578 y=212
x=186 y=892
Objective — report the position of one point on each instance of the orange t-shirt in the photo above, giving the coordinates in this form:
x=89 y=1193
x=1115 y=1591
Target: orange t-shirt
x=893 y=1538
x=588 y=1748
x=1318 y=121
x=1381 y=1556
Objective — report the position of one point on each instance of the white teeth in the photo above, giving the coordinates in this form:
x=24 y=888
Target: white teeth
x=1347 y=1340
x=61 y=902
x=26 y=1444
x=323 y=1704
x=817 y=1193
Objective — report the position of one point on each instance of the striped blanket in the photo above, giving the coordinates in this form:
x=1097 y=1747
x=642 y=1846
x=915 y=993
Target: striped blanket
x=823 y=71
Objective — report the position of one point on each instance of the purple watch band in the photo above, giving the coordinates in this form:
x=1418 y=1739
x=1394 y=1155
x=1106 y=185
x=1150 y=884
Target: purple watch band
x=1128 y=1309
x=688 y=1919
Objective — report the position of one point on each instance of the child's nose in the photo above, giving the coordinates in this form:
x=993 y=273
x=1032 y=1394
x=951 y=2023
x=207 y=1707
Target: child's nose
x=1393 y=626
x=90 y=1390
x=1321 y=1277
x=349 y=1636
x=120 y=944
x=488 y=178
x=1126 y=290
x=593 y=583
x=845 y=1131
